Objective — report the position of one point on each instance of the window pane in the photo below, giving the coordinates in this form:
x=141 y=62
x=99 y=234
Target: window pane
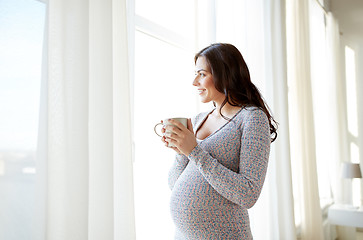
x=177 y=16
x=21 y=39
x=163 y=88
x=351 y=91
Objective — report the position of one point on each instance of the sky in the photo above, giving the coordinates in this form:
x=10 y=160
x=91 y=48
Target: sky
x=21 y=40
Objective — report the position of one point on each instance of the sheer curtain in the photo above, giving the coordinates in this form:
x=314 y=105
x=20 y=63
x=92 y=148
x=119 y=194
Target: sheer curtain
x=337 y=87
x=257 y=28
x=336 y=120
x=301 y=120
x=84 y=165
x=276 y=201
x=281 y=205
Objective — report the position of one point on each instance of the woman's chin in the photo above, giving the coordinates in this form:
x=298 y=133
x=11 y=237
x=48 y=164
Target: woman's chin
x=203 y=100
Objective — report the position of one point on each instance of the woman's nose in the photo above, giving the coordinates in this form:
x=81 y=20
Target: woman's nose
x=195 y=81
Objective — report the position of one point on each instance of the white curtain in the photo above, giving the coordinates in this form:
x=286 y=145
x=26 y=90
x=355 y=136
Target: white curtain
x=84 y=165
x=336 y=87
x=276 y=201
x=279 y=181
x=301 y=122
x=257 y=28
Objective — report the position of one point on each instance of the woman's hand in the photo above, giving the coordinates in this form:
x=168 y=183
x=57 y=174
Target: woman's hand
x=163 y=139
x=181 y=137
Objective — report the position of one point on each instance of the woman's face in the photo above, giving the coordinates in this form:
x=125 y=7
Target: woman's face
x=204 y=82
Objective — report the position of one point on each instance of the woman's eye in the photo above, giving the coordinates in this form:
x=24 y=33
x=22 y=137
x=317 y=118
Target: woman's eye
x=201 y=74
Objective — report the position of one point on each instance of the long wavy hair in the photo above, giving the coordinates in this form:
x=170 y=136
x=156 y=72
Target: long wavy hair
x=232 y=77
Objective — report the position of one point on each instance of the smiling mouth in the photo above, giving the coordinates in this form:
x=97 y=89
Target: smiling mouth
x=200 y=91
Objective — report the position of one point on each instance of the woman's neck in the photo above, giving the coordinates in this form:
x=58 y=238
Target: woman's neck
x=227 y=110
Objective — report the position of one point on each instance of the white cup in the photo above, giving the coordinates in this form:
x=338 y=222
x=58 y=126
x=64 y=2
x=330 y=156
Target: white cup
x=183 y=121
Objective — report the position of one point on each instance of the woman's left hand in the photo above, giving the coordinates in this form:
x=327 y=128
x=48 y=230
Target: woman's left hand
x=183 y=138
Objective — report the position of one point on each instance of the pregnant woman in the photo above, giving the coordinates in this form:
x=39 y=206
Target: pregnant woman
x=222 y=155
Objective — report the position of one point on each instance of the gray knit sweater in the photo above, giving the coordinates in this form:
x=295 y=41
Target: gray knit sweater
x=213 y=187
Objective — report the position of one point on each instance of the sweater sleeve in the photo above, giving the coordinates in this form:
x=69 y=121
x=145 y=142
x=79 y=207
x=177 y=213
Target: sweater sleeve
x=242 y=187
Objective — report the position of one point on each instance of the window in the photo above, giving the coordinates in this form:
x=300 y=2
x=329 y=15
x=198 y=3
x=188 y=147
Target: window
x=21 y=40
x=164 y=71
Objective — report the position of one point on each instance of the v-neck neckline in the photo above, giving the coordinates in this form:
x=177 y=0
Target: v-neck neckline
x=205 y=118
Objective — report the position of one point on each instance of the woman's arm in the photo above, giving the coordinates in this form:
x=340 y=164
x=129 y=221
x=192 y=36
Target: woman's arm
x=244 y=187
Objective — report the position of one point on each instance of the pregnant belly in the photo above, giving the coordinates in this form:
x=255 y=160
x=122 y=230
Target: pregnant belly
x=198 y=209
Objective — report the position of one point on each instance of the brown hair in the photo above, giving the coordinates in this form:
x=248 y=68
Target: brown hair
x=232 y=77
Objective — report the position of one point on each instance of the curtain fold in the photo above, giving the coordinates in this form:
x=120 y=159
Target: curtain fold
x=100 y=120
x=303 y=136
x=84 y=148
x=334 y=72
x=282 y=206
x=123 y=187
x=265 y=51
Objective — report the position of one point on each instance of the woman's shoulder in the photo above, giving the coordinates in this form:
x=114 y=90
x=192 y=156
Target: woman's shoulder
x=251 y=113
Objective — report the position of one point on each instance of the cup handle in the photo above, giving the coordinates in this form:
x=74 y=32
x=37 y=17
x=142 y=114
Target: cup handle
x=155 y=129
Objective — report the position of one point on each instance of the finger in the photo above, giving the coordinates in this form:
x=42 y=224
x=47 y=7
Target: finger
x=173 y=129
x=171 y=136
x=177 y=123
x=172 y=142
x=166 y=142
